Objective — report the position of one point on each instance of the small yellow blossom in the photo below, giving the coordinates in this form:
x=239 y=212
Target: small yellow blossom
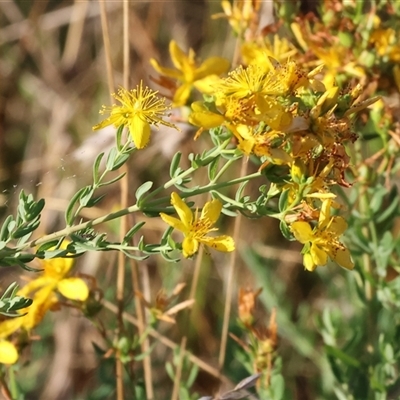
x=139 y=109
x=190 y=74
x=8 y=353
x=196 y=228
x=42 y=291
x=257 y=52
x=240 y=15
x=260 y=144
x=323 y=240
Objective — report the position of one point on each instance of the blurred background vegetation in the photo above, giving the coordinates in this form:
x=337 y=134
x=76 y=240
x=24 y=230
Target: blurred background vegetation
x=53 y=81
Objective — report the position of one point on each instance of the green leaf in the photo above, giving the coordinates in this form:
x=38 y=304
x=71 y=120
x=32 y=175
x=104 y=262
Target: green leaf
x=4 y=232
x=239 y=192
x=141 y=190
x=46 y=246
x=228 y=212
x=175 y=164
x=92 y=202
x=118 y=137
x=389 y=212
x=213 y=168
x=86 y=195
x=286 y=232
x=283 y=200
x=116 y=179
x=170 y=370
x=128 y=236
x=96 y=166
x=69 y=212
x=35 y=209
x=25 y=230
x=111 y=158
x=342 y=356
x=377 y=199
x=192 y=375
x=120 y=160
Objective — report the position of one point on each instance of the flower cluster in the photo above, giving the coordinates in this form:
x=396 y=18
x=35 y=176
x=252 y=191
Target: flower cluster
x=43 y=290
x=288 y=119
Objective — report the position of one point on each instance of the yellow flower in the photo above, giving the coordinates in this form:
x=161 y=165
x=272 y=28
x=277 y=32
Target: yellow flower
x=42 y=291
x=260 y=144
x=190 y=74
x=8 y=353
x=139 y=109
x=196 y=228
x=382 y=40
x=256 y=53
x=323 y=240
x=239 y=15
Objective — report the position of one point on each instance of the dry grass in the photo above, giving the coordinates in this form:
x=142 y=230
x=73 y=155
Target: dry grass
x=57 y=65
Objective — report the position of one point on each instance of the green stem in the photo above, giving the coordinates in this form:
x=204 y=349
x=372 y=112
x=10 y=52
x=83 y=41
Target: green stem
x=223 y=170
x=71 y=229
x=13 y=383
x=206 y=189
x=217 y=151
x=134 y=208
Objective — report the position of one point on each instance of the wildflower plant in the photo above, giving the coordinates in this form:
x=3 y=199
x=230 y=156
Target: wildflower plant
x=296 y=118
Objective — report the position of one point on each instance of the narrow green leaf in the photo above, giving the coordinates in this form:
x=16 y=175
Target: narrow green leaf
x=390 y=212
x=4 y=232
x=118 y=137
x=116 y=179
x=141 y=190
x=283 y=200
x=286 y=232
x=111 y=159
x=119 y=160
x=132 y=231
x=213 y=168
x=69 y=212
x=175 y=164
x=96 y=167
x=86 y=195
x=342 y=356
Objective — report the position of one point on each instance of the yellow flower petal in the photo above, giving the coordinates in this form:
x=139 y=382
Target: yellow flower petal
x=206 y=119
x=184 y=212
x=302 y=231
x=212 y=66
x=338 y=225
x=178 y=57
x=43 y=301
x=325 y=214
x=34 y=285
x=182 y=94
x=9 y=326
x=172 y=73
x=8 y=353
x=190 y=246
x=221 y=243
x=320 y=257
x=140 y=132
x=343 y=258
x=74 y=289
x=212 y=211
x=308 y=262
x=174 y=222
x=207 y=85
